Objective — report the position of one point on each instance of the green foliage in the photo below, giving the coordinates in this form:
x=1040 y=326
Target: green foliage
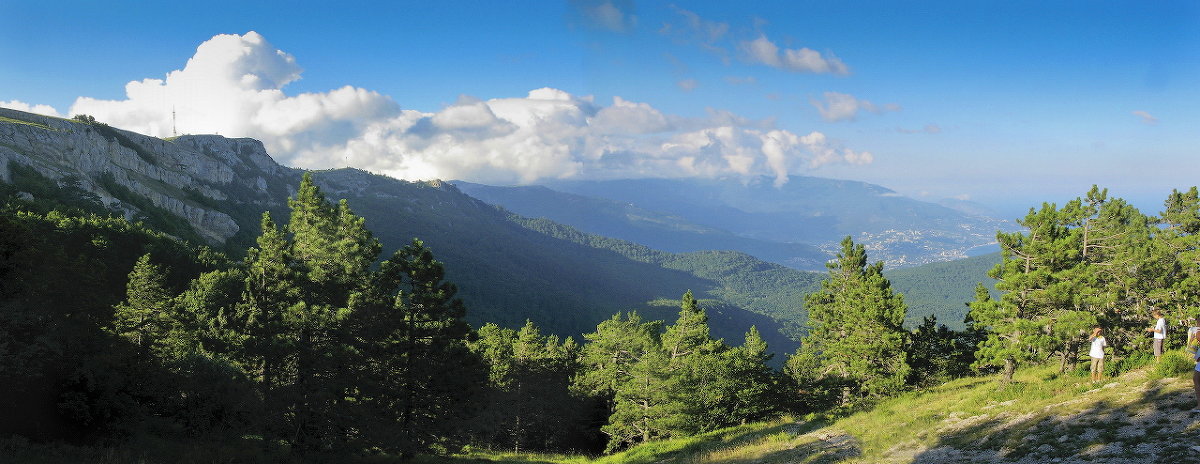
x=420 y=376
x=65 y=195
x=22 y=122
x=942 y=290
x=117 y=136
x=674 y=383
x=155 y=216
x=857 y=340
x=1095 y=261
x=529 y=404
x=1174 y=363
x=60 y=278
x=937 y=354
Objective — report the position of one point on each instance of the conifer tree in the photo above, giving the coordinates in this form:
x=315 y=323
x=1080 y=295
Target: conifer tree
x=697 y=361
x=144 y=318
x=529 y=406
x=750 y=385
x=1180 y=241
x=267 y=340
x=625 y=363
x=421 y=374
x=856 y=338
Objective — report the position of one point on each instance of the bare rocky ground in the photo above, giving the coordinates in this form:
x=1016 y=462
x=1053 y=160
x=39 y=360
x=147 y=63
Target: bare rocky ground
x=1125 y=421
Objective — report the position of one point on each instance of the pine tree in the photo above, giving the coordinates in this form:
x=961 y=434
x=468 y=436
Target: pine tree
x=144 y=318
x=1032 y=276
x=529 y=405
x=749 y=388
x=421 y=376
x=701 y=365
x=624 y=362
x=267 y=341
x=1179 y=241
x=856 y=338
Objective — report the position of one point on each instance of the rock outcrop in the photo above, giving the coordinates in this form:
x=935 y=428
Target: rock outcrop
x=183 y=175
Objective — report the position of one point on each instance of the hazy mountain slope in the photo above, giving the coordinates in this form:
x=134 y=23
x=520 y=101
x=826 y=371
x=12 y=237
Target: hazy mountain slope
x=942 y=289
x=898 y=230
x=214 y=189
x=744 y=281
x=626 y=221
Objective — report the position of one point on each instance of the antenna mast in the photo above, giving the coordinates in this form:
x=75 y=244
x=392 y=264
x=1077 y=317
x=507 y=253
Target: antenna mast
x=173 y=133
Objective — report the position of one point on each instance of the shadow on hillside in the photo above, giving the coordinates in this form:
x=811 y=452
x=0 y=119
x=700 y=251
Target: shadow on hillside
x=823 y=449
x=1100 y=431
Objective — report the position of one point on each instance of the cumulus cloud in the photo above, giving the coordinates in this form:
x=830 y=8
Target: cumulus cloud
x=1146 y=117
x=28 y=108
x=606 y=15
x=234 y=84
x=845 y=107
x=763 y=51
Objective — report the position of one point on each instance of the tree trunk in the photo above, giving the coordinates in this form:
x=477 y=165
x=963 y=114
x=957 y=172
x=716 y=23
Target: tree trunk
x=1010 y=366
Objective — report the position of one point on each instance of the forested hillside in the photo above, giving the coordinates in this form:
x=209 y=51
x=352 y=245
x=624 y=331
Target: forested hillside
x=212 y=190
x=335 y=336
x=943 y=289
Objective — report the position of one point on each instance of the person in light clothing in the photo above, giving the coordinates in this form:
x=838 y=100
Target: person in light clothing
x=1192 y=340
x=1196 y=380
x=1160 y=333
x=1097 y=353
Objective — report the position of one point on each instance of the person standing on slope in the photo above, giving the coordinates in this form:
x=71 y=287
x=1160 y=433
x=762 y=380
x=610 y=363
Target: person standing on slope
x=1196 y=380
x=1097 y=353
x=1160 y=333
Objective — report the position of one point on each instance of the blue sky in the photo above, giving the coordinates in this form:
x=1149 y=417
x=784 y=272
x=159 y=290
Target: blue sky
x=1005 y=103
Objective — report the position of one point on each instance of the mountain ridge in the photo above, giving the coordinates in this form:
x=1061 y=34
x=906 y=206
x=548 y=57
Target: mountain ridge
x=506 y=272
x=799 y=224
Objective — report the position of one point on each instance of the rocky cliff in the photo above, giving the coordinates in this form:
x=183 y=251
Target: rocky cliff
x=184 y=175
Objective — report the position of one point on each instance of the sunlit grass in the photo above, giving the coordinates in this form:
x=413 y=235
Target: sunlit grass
x=27 y=123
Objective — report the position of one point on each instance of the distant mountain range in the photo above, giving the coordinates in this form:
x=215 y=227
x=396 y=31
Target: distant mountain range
x=211 y=189
x=798 y=224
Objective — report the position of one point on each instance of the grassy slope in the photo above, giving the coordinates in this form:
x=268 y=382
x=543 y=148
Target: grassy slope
x=1041 y=417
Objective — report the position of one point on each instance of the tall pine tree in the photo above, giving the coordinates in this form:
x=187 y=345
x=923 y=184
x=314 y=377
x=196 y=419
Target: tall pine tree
x=856 y=339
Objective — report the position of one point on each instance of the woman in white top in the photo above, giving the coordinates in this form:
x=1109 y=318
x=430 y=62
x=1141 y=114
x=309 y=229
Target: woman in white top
x=1097 y=353
x=1196 y=373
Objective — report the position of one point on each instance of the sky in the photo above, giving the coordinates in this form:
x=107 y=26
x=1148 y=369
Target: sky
x=1007 y=104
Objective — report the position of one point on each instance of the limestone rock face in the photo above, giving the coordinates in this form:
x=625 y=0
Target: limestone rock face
x=184 y=175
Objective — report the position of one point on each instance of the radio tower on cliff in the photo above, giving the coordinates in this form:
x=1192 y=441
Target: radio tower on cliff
x=173 y=133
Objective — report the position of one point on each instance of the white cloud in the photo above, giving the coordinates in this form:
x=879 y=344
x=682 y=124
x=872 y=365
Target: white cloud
x=763 y=51
x=845 y=107
x=28 y=108
x=234 y=86
x=606 y=15
x=1146 y=117
x=688 y=85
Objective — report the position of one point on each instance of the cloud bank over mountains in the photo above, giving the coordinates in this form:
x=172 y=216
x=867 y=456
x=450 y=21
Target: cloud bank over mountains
x=233 y=86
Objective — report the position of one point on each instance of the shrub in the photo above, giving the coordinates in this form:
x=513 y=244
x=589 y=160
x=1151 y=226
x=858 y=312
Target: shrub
x=1173 y=364
x=1128 y=363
